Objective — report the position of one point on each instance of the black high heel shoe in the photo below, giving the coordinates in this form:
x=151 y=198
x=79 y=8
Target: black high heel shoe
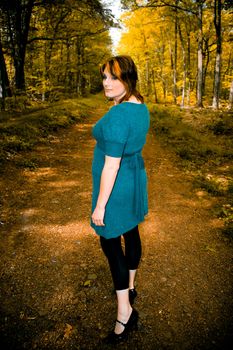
x=132 y=295
x=114 y=338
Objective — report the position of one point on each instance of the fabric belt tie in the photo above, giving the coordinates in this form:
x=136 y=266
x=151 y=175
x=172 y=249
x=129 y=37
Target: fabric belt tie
x=136 y=162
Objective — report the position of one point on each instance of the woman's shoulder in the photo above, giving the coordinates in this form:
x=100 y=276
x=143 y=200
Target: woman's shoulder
x=125 y=113
x=126 y=107
x=117 y=111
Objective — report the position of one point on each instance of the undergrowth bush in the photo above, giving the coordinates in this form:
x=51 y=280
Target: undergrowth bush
x=203 y=142
x=22 y=131
x=223 y=126
x=16 y=143
x=226 y=214
x=189 y=143
x=209 y=185
x=30 y=164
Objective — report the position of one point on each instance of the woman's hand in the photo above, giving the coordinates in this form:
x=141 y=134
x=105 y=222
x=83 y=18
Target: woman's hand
x=108 y=176
x=98 y=216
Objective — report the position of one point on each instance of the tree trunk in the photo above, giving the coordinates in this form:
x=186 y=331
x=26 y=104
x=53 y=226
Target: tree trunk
x=2 y=91
x=172 y=69
x=147 y=77
x=5 y=90
x=154 y=86
x=67 y=77
x=188 y=65
x=217 y=72
x=79 y=65
x=200 y=56
x=205 y=68
x=188 y=93
x=173 y=60
x=21 y=21
x=184 y=67
x=19 y=72
x=230 y=106
x=175 y=57
x=161 y=66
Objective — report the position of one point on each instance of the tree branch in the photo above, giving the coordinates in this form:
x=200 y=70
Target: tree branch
x=155 y=4
x=65 y=38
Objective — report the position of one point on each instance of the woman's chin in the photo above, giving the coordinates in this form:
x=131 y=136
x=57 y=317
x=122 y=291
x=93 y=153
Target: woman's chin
x=108 y=95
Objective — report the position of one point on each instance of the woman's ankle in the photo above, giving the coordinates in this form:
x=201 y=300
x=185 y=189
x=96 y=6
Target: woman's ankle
x=124 y=318
x=124 y=314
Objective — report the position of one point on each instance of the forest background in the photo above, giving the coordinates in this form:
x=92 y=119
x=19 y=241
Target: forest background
x=183 y=48
x=51 y=50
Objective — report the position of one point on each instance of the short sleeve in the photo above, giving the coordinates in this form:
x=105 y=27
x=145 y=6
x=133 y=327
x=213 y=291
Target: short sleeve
x=115 y=132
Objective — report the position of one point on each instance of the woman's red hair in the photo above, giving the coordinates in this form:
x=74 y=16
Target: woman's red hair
x=124 y=68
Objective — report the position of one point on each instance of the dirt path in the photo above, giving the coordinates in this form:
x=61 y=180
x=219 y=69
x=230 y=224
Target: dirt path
x=56 y=289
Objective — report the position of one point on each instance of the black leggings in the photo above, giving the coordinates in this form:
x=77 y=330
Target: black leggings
x=121 y=262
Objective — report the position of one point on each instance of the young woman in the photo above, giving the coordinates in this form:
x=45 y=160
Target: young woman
x=119 y=199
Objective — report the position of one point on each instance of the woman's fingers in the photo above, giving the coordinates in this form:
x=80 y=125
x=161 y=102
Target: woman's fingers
x=98 y=217
x=98 y=222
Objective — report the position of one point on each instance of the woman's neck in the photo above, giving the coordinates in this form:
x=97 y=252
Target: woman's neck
x=132 y=99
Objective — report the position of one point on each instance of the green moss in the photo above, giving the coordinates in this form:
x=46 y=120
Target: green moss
x=209 y=185
x=190 y=141
x=22 y=131
x=30 y=164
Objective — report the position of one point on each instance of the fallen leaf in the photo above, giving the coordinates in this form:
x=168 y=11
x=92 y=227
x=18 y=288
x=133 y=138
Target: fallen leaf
x=87 y=283
x=92 y=276
x=68 y=331
x=210 y=249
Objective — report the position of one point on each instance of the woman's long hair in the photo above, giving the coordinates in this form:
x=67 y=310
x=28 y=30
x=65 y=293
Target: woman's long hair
x=124 y=68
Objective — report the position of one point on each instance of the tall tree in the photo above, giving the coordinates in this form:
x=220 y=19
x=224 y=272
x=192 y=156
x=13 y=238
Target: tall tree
x=200 y=54
x=175 y=53
x=230 y=105
x=5 y=90
x=17 y=14
x=217 y=72
x=184 y=66
x=70 y=39
x=17 y=19
x=185 y=6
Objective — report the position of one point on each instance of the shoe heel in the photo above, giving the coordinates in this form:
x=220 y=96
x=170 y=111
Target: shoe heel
x=133 y=321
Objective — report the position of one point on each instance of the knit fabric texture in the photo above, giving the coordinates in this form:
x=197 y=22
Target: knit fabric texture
x=121 y=132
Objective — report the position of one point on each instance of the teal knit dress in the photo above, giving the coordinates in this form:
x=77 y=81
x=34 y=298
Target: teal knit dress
x=121 y=132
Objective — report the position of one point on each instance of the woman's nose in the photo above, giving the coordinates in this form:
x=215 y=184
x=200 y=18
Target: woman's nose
x=106 y=82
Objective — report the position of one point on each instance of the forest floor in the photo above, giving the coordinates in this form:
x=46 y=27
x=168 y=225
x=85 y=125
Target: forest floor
x=56 y=288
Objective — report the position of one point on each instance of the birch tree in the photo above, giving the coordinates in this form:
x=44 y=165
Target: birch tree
x=200 y=54
x=230 y=105
x=217 y=72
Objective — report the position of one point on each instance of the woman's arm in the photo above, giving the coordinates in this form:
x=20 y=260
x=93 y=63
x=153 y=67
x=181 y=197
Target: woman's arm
x=107 y=181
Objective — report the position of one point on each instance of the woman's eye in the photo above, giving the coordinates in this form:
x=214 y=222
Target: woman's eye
x=113 y=77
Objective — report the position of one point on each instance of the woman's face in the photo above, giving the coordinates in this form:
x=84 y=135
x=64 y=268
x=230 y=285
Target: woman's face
x=113 y=87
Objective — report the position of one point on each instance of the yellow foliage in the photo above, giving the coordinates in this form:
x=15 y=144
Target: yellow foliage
x=149 y=37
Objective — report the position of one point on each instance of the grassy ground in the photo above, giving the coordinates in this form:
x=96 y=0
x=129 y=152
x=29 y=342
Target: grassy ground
x=203 y=140
x=22 y=131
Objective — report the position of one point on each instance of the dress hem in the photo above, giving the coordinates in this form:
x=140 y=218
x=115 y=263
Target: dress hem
x=106 y=236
